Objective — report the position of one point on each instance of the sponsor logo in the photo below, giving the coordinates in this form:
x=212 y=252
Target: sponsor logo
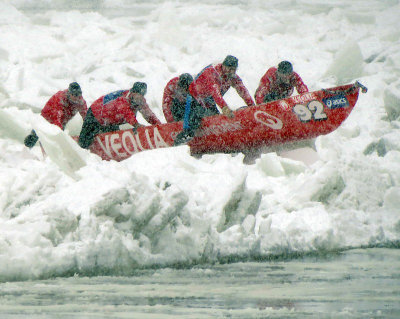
x=128 y=143
x=303 y=98
x=268 y=120
x=335 y=102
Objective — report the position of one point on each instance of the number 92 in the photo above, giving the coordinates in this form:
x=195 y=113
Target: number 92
x=313 y=110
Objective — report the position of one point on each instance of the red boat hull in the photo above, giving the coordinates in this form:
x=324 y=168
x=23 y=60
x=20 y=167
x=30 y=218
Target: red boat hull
x=296 y=118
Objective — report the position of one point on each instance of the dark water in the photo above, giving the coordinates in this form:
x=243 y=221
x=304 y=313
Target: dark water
x=362 y=283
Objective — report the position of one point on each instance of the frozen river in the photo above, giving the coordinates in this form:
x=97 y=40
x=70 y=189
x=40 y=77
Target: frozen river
x=361 y=283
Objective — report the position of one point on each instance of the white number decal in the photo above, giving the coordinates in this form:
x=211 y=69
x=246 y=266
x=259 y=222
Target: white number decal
x=302 y=112
x=313 y=110
x=318 y=110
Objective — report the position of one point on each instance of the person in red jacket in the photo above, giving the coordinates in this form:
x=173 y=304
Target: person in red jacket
x=207 y=91
x=114 y=109
x=279 y=83
x=61 y=108
x=174 y=98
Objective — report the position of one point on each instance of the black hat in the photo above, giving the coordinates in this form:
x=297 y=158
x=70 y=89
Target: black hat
x=285 y=67
x=184 y=80
x=75 y=89
x=231 y=61
x=139 y=87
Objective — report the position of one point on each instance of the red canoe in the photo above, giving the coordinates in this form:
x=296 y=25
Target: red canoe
x=296 y=118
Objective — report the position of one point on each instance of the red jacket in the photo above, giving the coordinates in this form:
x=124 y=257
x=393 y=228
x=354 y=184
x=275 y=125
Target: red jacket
x=269 y=83
x=59 y=109
x=115 y=109
x=211 y=83
x=171 y=92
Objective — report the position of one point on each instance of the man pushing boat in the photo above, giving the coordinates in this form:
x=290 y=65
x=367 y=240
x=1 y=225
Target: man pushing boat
x=174 y=98
x=207 y=91
x=114 y=109
x=60 y=109
x=279 y=83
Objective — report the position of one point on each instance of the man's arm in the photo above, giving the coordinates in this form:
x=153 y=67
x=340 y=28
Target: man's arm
x=82 y=109
x=216 y=94
x=147 y=113
x=167 y=103
x=242 y=91
x=264 y=87
x=300 y=86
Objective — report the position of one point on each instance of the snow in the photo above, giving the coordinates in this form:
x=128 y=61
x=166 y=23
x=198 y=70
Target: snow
x=164 y=207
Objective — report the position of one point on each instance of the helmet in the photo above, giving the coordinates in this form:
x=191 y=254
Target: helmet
x=139 y=87
x=75 y=89
x=285 y=67
x=184 y=80
x=231 y=61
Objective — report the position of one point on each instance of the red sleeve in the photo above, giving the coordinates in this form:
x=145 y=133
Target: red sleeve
x=242 y=91
x=212 y=82
x=215 y=90
x=147 y=113
x=129 y=115
x=121 y=105
x=265 y=85
x=167 y=99
x=82 y=109
x=300 y=86
x=208 y=84
x=52 y=111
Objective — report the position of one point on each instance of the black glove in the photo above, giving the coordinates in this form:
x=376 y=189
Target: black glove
x=31 y=139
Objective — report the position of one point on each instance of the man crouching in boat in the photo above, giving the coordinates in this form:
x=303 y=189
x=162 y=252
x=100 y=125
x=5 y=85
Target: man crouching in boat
x=278 y=83
x=114 y=109
x=207 y=91
x=174 y=97
x=60 y=109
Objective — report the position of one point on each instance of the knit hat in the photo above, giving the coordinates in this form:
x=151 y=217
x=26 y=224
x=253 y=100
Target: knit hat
x=139 y=87
x=231 y=61
x=285 y=67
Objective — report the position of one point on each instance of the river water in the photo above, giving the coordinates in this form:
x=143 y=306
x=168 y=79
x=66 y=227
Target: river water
x=360 y=283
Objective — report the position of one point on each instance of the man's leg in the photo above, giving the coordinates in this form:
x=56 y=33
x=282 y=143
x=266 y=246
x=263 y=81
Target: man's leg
x=192 y=122
x=90 y=128
x=177 y=110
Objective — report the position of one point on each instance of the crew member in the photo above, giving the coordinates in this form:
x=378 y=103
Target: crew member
x=114 y=109
x=207 y=91
x=61 y=108
x=174 y=98
x=279 y=83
